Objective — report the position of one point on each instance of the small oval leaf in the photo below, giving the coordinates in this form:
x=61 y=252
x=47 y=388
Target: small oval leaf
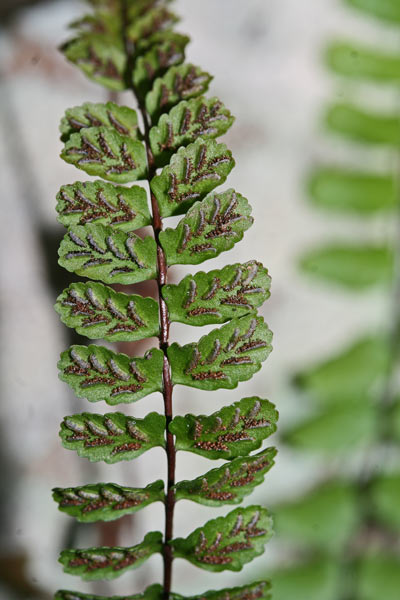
x=154 y=592
x=356 y=267
x=228 y=484
x=97 y=373
x=362 y=126
x=233 y=431
x=106 y=501
x=97 y=311
x=109 y=563
x=259 y=590
x=357 y=192
x=153 y=20
x=157 y=60
x=204 y=118
x=224 y=357
x=103 y=152
x=112 y=437
x=100 y=56
x=103 y=203
x=227 y=543
x=101 y=252
x=179 y=83
x=218 y=296
x=210 y=227
x=121 y=119
x=193 y=172
x=356 y=60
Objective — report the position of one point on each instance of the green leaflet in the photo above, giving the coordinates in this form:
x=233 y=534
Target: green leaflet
x=193 y=172
x=362 y=126
x=324 y=518
x=337 y=430
x=97 y=311
x=100 y=57
x=260 y=590
x=153 y=20
x=227 y=543
x=355 y=373
x=210 y=227
x=157 y=60
x=97 y=373
x=179 y=83
x=197 y=118
x=112 y=437
x=103 y=152
x=101 y=252
x=320 y=579
x=228 y=484
x=379 y=577
x=345 y=191
x=234 y=431
x=224 y=357
x=356 y=267
x=218 y=296
x=355 y=60
x=385 y=498
x=106 y=501
x=154 y=592
x=109 y=563
x=121 y=119
x=388 y=10
x=103 y=203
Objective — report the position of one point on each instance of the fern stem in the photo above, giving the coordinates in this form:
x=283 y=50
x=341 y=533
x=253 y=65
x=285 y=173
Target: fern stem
x=162 y=276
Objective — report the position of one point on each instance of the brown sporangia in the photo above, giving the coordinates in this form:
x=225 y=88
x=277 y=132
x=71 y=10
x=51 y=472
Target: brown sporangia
x=220 y=435
x=218 y=551
x=116 y=559
x=159 y=18
x=93 y=312
x=100 y=67
x=195 y=170
x=102 y=153
x=114 y=498
x=94 y=435
x=220 y=355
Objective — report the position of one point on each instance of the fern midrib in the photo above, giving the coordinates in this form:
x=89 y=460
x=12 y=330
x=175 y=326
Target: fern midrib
x=162 y=278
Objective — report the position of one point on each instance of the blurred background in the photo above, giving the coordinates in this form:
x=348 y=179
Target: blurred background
x=316 y=145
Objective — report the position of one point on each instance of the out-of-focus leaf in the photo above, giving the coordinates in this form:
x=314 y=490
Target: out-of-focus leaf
x=233 y=431
x=102 y=58
x=388 y=10
x=106 y=501
x=179 y=83
x=157 y=60
x=357 y=192
x=193 y=172
x=103 y=152
x=363 y=126
x=224 y=357
x=379 y=577
x=96 y=201
x=227 y=543
x=355 y=60
x=318 y=580
x=97 y=311
x=354 y=374
x=121 y=119
x=101 y=252
x=385 y=496
x=210 y=227
x=189 y=120
x=355 y=267
x=150 y=22
x=218 y=296
x=337 y=430
x=112 y=437
x=228 y=484
x=324 y=518
x=109 y=563
x=154 y=592
x=97 y=373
